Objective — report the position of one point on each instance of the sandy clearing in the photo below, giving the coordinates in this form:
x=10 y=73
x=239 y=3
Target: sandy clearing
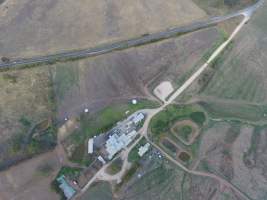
x=66 y=129
x=163 y=90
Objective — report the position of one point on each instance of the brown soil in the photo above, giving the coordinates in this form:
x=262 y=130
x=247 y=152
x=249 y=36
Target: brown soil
x=97 y=82
x=25 y=181
x=185 y=157
x=37 y=27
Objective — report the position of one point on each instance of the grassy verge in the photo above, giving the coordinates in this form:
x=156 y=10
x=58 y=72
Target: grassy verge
x=222 y=38
x=185 y=132
x=99 y=191
x=242 y=112
x=128 y=175
x=109 y=116
x=133 y=155
x=69 y=172
x=23 y=145
x=65 y=77
x=115 y=166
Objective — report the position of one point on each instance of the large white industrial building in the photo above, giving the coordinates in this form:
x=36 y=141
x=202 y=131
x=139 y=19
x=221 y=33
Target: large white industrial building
x=116 y=142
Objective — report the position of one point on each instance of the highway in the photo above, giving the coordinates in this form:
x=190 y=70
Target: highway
x=106 y=48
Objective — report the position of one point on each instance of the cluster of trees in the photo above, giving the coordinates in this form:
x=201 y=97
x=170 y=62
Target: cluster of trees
x=5 y=59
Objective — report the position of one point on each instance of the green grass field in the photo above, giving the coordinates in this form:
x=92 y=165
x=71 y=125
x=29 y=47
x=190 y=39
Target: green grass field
x=232 y=81
x=161 y=124
x=65 y=77
x=133 y=155
x=185 y=132
x=163 y=121
x=99 y=191
x=115 y=166
x=109 y=116
x=162 y=182
x=243 y=112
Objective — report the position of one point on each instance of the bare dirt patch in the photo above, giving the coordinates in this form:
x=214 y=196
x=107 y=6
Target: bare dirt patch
x=30 y=27
x=186 y=131
x=66 y=129
x=163 y=90
x=27 y=181
x=184 y=156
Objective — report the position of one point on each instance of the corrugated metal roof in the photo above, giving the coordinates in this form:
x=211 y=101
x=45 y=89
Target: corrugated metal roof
x=115 y=143
x=91 y=145
x=68 y=191
x=143 y=149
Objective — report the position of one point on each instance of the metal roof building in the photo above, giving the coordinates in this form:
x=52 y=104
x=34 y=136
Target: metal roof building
x=116 y=142
x=68 y=191
x=143 y=149
x=90 y=145
x=138 y=118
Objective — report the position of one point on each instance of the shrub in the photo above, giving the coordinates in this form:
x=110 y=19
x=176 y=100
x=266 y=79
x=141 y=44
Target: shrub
x=198 y=117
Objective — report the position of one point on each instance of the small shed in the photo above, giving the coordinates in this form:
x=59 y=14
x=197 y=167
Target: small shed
x=68 y=191
x=143 y=149
x=90 y=145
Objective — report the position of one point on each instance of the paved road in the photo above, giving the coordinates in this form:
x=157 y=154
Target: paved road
x=145 y=39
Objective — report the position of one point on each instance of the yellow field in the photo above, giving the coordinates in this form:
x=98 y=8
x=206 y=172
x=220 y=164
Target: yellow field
x=24 y=94
x=44 y=26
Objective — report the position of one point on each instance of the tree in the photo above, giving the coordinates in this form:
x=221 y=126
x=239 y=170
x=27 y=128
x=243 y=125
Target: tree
x=5 y=59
